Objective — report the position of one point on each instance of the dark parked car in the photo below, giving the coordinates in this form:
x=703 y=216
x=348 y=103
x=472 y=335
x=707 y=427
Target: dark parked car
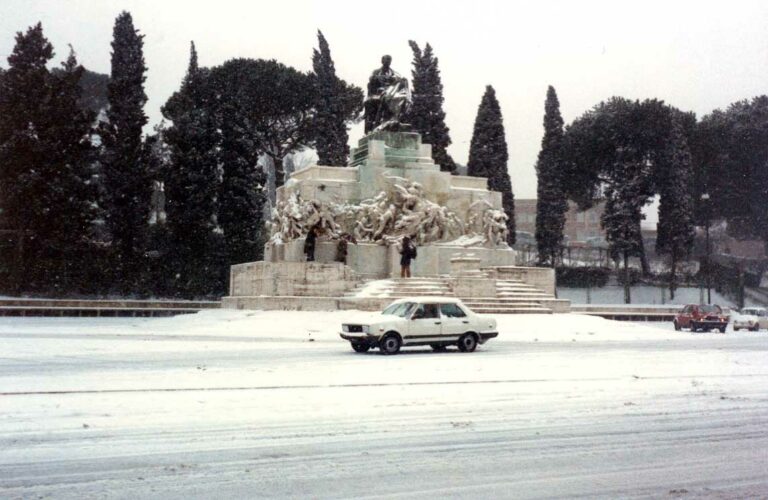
x=701 y=317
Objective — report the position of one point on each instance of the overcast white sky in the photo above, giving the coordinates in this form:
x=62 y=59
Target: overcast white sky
x=697 y=56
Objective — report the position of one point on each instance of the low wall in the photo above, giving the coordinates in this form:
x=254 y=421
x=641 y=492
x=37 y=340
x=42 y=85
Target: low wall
x=542 y=278
x=291 y=279
x=288 y=303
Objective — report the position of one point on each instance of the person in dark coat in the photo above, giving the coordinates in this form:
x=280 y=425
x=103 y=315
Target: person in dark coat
x=309 y=244
x=407 y=254
x=342 y=248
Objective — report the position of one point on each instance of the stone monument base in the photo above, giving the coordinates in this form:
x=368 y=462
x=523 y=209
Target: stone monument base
x=375 y=261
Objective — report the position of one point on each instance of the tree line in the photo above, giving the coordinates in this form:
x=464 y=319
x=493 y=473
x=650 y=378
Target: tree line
x=91 y=205
x=625 y=152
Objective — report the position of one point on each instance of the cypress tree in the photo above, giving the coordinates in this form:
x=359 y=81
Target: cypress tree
x=427 y=116
x=43 y=176
x=337 y=102
x=71 y=185
x=488 y=154
x=675 y=226
x=23 y=115
x=551 y=204
x=127 y=185
x=191 y=186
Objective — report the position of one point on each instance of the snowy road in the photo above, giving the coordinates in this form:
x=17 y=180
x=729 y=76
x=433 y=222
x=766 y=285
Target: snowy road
x=228 y=404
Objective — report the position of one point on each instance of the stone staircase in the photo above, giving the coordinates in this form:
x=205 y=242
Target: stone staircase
x=512 y=296
x=397 y=288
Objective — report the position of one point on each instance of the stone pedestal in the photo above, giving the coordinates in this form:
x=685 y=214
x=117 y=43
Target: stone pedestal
x=464 y=264
x=310 y=279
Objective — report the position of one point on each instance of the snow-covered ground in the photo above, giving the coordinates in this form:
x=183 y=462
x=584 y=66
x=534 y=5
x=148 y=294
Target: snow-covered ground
x=235 y=404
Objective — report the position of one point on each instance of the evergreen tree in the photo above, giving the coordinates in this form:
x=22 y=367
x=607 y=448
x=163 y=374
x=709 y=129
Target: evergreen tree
x=72 y=191
x=241 y=198
x=44 y=183
x=551 y=204
x=625 y=194
x=191 y=186
x=427 y=116
x=488 y=155
x=128 y=187
x=337 y=103
x=675 y=226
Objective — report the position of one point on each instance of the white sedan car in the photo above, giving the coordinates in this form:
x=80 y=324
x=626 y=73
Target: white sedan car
x=434 y=321
x=751 y=318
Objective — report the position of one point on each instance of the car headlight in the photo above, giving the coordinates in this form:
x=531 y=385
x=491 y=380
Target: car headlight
x=344 y=328
x=366 y=329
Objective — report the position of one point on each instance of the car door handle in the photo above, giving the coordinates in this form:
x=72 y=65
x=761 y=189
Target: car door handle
x=465 y=322
x=437 y=322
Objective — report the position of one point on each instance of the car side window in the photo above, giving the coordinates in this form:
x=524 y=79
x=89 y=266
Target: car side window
x=431 y=311
x=452 y=311
x=426 y=311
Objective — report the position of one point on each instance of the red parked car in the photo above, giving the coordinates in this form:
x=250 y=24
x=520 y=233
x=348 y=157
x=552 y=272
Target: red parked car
x=701 y=317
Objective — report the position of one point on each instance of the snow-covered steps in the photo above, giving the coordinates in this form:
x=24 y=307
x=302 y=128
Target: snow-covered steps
x=511 y=310
x=509 y=297
x=404 y=287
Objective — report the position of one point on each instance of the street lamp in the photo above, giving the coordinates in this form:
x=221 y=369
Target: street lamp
x=705 y=199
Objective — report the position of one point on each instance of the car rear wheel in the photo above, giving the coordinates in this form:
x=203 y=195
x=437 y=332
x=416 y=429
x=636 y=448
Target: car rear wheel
x=722 y=329
x=755 y=328
x=359 y=347
x=390 y=344
x=467 y=342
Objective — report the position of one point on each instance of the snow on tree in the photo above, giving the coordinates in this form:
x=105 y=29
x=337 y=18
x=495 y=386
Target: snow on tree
x=192 y=186
x=337 y=104
x=427 y=116
x=675 y=227
x=45 y=183
x=551 y=204
x=488 y=154
x=128 y=188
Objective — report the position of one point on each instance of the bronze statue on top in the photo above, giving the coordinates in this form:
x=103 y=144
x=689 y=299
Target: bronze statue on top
x=388 y=101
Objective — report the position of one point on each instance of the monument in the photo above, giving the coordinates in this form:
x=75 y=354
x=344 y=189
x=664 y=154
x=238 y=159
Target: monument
x=390 y=188
x=388 y=100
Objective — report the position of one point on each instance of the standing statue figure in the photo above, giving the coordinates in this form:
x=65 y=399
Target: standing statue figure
x=389 y=99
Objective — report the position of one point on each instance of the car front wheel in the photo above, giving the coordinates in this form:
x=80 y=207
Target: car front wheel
x=390 y=344
x=360 y=347
x=467 y=342
x=677 y=325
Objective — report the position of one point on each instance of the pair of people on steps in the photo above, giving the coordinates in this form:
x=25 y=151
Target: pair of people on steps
x=407 y=250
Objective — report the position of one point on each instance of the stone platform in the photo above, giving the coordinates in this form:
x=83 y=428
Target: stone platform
x=377 y=261
x=334 y=286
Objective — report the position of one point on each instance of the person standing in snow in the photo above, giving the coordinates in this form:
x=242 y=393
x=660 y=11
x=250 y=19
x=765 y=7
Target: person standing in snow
x=407 y=254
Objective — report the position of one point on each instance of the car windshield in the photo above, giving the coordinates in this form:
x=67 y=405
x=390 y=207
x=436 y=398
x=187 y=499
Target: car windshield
x=753 y=312
x=709 y=309
x=401 y=310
